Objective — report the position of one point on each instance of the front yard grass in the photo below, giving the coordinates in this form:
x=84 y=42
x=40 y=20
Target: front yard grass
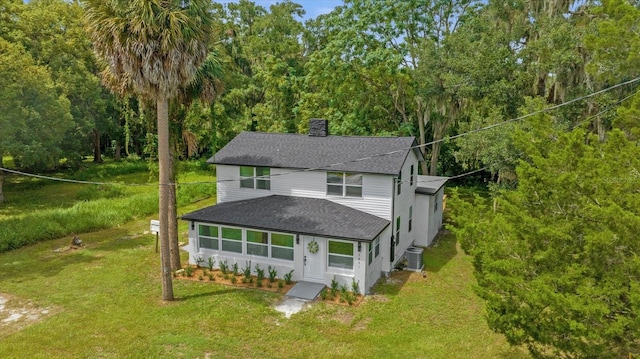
x=105 y=303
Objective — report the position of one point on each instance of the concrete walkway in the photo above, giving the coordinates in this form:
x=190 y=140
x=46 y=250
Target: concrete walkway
x=305 y=290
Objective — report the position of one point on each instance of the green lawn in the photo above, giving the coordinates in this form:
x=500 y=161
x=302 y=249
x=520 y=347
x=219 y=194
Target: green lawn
x=104 y=302
x=40 y=209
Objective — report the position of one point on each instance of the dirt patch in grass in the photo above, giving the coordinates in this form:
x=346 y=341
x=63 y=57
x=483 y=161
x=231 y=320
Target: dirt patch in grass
x=16 y=314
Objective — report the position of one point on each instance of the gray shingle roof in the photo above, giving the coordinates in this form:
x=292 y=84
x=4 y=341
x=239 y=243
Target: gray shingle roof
x=285 y=150
x=430 y=184
x=312 y=216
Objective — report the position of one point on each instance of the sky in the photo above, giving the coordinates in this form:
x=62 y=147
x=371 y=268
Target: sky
x=312 y=7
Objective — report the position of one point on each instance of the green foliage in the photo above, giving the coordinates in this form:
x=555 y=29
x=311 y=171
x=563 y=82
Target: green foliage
x=42 y=225
x=556 y=262
x=355 y=286
x=287 y=277
x=188 y=271
x=259 y=273
x=334 y=287
x=33 y=116
x=211 y=262
x=247 y=271
x=273 y=274
x=224 y=267
x=93 y=192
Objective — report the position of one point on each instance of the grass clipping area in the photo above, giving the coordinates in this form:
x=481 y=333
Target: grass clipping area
x=107 y=304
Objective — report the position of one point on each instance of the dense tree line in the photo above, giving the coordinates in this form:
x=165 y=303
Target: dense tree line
x=429 y=69
x=432 y=69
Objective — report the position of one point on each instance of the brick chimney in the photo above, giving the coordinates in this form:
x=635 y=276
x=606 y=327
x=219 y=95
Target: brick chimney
x=318 y=127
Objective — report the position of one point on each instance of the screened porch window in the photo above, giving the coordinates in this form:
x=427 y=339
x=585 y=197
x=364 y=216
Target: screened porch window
x=208 y=236
x=340 y=254
x=282 y=246
x=232 y=239
x=258 y=243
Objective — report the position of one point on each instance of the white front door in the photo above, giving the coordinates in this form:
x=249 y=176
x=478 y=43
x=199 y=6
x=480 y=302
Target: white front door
x=313 y=263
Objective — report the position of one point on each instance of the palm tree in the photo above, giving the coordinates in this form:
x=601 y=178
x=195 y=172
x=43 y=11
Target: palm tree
x=152 y=47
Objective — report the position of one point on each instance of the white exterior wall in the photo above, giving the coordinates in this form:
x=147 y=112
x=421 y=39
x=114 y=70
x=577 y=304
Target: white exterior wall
x=282 y=266
x=360 y=273
x=428 y=217
x=435 y=217
x=401 y=206
x=376 y=189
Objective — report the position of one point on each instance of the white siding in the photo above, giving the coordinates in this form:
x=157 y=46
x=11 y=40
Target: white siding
x=428 y=217
x=402 y=203
x=228 y=188
x=376 y=189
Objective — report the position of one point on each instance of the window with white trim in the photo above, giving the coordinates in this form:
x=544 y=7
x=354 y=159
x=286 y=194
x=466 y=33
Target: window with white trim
x=397 y=231
x=231 y=239
x=282 y=246
x=374 y=249
x=340 y=254
x=257 y=243
x=344 y=184
x=208 y=236
x=255 y=177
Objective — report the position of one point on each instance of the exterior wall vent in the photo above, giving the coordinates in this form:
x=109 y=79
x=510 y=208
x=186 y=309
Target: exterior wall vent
x=318 y=127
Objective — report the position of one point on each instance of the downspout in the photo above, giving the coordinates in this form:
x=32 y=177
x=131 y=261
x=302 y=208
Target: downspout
x=393 y=208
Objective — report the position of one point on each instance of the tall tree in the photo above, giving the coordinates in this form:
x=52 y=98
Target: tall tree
x=33 y=117
x=156 y=47
x=401 y=49
x=556 y=262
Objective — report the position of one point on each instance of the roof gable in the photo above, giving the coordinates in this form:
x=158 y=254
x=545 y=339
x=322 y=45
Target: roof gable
x=382 y=155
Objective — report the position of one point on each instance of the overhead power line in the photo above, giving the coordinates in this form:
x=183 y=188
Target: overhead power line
x=328 y=166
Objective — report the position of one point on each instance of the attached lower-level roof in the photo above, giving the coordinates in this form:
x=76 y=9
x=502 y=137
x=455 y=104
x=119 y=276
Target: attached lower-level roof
x=310 y=216
x=430 y=184
x=382 y=155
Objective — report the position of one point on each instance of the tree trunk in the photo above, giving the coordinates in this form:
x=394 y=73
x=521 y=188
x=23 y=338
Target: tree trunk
x=423 y=119
x=118 y=153
x=173 y=217
x=438 y=134
x=97 y=154
x=1 y=179
x=164 y=196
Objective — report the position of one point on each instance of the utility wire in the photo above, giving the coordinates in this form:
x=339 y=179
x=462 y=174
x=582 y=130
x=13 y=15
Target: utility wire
x=325 y=167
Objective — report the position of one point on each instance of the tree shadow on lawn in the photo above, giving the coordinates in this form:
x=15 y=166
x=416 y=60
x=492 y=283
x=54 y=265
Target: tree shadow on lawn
x=181 y=298
x=441 y=251
x=50 y=266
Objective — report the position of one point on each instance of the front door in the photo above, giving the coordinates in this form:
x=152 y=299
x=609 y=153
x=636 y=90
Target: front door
x=313 y=264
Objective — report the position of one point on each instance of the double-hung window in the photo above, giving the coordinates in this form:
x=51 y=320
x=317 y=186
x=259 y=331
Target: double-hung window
x=208 y=236
x=344 y=184
x=340 y=254
x=255 y=177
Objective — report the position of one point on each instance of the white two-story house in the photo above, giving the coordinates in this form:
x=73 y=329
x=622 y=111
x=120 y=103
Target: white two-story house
x=326 y=207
